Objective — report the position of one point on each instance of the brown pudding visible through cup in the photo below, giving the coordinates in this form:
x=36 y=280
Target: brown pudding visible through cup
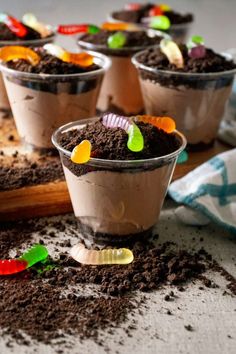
x=42 y=102
x=116 y=200
x=120 y=92
x=4 y=101
x=195 y=101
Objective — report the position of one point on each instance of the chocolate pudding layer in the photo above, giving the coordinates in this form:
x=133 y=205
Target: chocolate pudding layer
x=120 y=92
x=118 y=194
x=47 y=95
x=195 y=95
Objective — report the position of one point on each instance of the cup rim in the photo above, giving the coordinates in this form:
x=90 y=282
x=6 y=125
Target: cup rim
x=31 y=42
x=96 y=162
x=103 y=47
x=106 y=63
x=144 y=67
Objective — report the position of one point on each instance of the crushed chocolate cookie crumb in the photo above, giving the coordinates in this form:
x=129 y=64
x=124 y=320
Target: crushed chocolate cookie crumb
x=72 y=312
x=11 y=137
x=133 y=38
x=49 y=311
x=49 y=64
x=152 y=266
x=20 y=171
x=111 y=144
x=211 y=63
x=189 y=328
x=7 y=35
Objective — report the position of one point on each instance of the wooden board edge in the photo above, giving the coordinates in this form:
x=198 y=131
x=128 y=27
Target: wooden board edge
x=15 y=205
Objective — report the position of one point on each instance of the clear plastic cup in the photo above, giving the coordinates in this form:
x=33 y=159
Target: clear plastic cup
x=120 y=92
x=116 y=200
x=4 y=101
x=42 y=102
x=179 y=32
x=195 y=100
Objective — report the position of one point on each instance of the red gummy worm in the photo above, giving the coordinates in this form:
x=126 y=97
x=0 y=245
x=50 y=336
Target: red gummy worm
x=15 y=26
x=155 y=11
x=72 y=29
x=12 y=266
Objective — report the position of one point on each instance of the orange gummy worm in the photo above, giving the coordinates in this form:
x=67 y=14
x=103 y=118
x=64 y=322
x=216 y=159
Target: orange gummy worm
x=117 y=26
x=18 y=52
x=165 y=123
x=81 y=59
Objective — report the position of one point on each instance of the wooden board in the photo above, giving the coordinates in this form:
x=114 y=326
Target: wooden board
x=53 y=198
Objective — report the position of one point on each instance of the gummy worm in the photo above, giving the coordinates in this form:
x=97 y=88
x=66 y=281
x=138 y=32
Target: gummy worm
x=34 y=255
x=106 y=256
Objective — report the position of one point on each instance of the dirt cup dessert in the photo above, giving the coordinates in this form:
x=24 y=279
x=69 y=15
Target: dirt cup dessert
x=120 y=92
x=157 y=16
x=27 y=32
x=190 y=83
x=48 y=87
x=117 y=171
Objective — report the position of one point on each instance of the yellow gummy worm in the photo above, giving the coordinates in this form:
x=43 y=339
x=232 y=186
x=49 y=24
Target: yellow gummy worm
x=81 y=153
x=106 y=256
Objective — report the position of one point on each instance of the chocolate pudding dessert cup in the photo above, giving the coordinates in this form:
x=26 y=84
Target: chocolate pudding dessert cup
x=42 y=102
x=196 y=101
x=120 y=91
x=4 y=101
x=178 y=31
x=116 y=201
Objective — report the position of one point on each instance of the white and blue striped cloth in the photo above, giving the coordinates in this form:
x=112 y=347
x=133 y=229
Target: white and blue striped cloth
x=211 y=190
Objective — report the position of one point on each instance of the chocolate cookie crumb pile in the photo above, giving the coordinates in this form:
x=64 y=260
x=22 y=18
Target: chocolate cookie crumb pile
x=133 y=38
x=50 y=302
x=22 y=171
x=49 y=64
x=211 y=63
x=42 y=311
x=152 y=267
x=7 y=35
x=136 y=16
x=111 y=144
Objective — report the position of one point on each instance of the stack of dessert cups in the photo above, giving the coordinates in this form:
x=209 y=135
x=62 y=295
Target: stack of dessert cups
x=4 y=101
x=42 y=102
x=116 y=201
x=120 y=91
x=196 y=101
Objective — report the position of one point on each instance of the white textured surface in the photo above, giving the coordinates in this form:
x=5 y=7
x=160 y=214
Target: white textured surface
x=212 y=315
